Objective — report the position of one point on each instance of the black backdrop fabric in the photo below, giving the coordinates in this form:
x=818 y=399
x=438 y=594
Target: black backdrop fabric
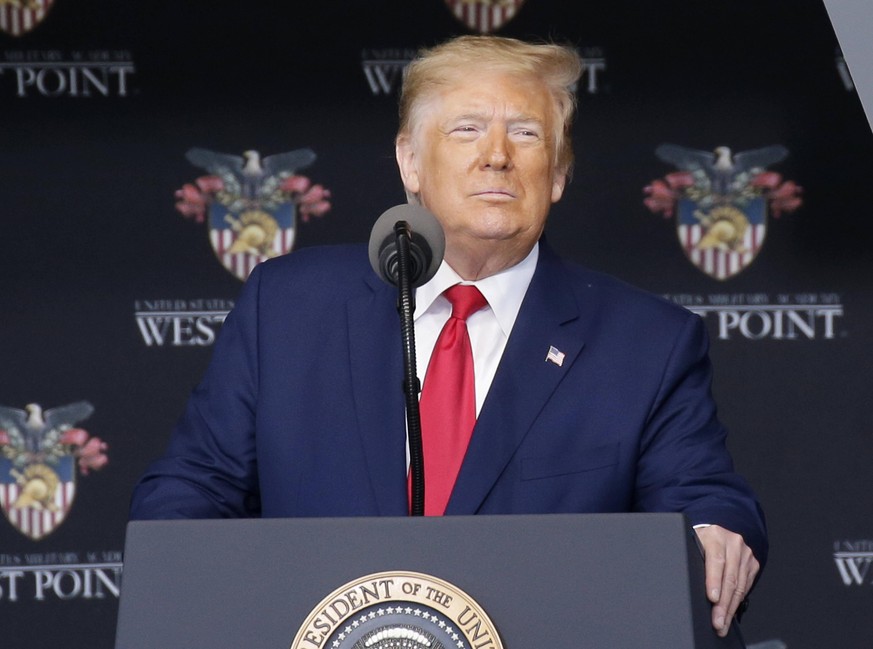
x=111 y=296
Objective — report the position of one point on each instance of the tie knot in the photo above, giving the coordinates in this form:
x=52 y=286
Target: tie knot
x=465 y=300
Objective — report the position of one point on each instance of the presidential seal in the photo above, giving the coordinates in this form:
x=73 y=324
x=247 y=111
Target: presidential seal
x=397 y=610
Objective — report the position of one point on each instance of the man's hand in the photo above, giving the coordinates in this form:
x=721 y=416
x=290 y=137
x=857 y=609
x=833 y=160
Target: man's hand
x=730 y=572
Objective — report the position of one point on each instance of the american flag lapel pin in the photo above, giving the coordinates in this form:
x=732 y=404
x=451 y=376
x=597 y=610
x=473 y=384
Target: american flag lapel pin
x=555 y=356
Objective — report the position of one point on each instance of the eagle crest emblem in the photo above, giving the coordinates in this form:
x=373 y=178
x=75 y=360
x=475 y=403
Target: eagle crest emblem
x=40 y=453
x=721 y=201
x=252 y=203
x=484 y=16
x=18 y=17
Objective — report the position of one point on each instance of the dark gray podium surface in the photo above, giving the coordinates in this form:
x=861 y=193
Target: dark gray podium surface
x=608 y=581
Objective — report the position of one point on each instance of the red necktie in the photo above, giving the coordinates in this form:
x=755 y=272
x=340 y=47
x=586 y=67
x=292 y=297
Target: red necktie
x=448 y=400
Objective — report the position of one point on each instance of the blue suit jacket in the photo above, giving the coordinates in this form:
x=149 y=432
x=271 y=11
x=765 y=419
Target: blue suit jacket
x=301 y=412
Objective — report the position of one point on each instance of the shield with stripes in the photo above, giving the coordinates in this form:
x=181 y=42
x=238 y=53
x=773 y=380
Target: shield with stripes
x=484 y=16
x=723 y=239
x=36 y=497
x=243 y=239
x=18 y=17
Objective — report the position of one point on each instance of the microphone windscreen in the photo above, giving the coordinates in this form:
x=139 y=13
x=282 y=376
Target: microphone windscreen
x=427 y=243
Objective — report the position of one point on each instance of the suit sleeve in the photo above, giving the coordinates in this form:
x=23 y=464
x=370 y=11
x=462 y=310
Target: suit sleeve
x=210 y=467
x=684 y=464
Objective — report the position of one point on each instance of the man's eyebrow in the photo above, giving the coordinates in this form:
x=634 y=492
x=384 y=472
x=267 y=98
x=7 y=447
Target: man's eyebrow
x=467 y=116
x=513 y=119
x=481 y=116
x=453 y=121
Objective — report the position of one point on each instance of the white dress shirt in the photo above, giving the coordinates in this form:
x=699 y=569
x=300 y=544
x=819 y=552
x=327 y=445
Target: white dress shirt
x=488 y=328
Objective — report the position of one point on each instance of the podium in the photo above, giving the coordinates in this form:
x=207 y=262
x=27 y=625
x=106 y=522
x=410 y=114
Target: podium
x=592 y=581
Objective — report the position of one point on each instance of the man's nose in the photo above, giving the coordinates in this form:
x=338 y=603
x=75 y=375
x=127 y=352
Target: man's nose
x=496 y=153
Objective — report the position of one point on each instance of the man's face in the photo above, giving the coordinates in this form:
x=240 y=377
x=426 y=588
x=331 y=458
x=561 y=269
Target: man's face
x=483 y=161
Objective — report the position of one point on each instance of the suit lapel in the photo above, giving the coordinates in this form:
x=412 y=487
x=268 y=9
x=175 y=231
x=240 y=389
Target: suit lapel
x=525 y=380
x=377 y=375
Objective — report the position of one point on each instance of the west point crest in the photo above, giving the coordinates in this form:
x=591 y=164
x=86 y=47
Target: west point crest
x=41 y=451
x=721 y=201
x=17 y=17
x=484 y=16
x=252 y=203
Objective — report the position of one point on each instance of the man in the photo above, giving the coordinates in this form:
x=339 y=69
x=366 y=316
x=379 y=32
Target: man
x=591 y=396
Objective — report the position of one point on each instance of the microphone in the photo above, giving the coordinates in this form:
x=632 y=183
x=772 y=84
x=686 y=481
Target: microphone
x=427 y=244
x=407 y=244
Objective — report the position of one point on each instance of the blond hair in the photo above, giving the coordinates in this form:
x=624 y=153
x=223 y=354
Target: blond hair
x=557 y=66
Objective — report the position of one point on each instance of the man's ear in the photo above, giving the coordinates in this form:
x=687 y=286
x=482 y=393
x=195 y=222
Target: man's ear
x=558 y=184
x=406 y=162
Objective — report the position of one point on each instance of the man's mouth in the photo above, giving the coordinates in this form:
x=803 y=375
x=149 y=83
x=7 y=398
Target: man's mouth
x=494 y=194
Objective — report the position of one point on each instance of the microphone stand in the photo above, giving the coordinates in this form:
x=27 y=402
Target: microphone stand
x=411 y=385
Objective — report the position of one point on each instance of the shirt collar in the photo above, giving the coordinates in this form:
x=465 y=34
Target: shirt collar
x=504 y=291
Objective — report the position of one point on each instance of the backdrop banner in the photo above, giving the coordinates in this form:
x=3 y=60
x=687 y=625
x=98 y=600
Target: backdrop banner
x=125 y=243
